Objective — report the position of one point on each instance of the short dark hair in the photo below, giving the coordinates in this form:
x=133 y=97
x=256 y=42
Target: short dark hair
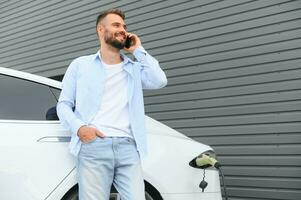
x=103 y=14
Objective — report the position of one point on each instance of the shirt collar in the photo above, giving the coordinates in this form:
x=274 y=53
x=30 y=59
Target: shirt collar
x=124 y=57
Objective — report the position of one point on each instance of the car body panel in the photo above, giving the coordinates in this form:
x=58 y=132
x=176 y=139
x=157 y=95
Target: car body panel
x=29 y=165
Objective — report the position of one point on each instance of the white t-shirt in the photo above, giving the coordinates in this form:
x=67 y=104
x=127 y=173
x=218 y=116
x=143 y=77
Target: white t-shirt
x=112 y=117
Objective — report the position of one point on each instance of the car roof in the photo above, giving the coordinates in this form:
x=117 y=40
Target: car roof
x=31 y=77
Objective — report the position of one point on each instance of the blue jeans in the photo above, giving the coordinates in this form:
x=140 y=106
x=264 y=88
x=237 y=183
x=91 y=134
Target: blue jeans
x=107 y=161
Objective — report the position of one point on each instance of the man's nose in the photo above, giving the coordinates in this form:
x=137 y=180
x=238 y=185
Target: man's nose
x=122 y=31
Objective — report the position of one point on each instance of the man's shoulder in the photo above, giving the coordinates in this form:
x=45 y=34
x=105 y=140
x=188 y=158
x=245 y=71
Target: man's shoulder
x=82 y=61
x=86 y=58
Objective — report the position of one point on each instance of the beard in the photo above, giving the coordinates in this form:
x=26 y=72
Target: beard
x=111 y=40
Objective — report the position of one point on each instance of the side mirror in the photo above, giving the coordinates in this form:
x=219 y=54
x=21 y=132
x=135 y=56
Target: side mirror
x=51 y=114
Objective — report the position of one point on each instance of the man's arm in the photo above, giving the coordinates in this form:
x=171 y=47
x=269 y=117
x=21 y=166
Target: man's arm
x=66 y=101
x=152 y=76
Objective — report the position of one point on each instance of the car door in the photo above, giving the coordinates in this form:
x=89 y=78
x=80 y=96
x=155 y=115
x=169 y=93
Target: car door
x=34 y=155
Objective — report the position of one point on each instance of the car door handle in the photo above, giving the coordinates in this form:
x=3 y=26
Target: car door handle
x=55 y=139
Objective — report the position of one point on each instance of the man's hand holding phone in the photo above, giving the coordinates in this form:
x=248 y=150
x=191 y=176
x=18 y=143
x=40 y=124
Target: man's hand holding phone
x=132 y=42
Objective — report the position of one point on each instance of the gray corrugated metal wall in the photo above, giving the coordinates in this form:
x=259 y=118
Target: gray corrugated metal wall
x=233 y=68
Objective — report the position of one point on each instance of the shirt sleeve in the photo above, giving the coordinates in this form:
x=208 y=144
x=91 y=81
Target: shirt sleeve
x=66 y=102
x=152 y=76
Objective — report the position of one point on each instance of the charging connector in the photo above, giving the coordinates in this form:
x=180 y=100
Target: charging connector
x=205 y=160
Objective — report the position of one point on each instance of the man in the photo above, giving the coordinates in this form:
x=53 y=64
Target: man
x=101 y=103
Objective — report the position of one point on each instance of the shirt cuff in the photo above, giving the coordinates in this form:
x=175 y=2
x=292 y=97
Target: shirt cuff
x=140 y=53
x=76 y=124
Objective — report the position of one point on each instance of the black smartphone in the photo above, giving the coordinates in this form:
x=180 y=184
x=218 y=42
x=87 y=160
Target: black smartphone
x=128 y=42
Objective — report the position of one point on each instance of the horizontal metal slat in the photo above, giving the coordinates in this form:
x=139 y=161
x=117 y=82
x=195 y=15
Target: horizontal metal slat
x=69 y=23
x=275 y=183
x=18 y=9
x=233 y=43
x=239 y=141
x=226 y=102
x=264 y=194
x=200 y=65
x=223 y=21
x=164 y=10
x=233 y=82
x=236 y=120
x=266 y=149
x=203 y=32
x=6 y=4
x=226 y=92
x=193 y=74
x=48 y=12
x=228 y=111
x=199 y=12
x=231 y=54
x=294 y=161
x=249 y=129
x=267 y=171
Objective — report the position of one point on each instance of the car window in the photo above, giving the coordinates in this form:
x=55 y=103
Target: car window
x=25 y=100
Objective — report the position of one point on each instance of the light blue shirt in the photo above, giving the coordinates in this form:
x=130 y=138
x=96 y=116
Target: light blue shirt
x=82 y=91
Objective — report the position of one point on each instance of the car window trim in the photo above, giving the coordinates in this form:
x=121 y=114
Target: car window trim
x=31 y=81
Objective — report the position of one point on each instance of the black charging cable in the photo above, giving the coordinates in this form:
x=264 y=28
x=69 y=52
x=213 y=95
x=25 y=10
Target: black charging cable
x=223 y=182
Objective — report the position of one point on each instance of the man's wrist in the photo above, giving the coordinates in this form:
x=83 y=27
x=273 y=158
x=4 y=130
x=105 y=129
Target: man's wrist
x=139 y=53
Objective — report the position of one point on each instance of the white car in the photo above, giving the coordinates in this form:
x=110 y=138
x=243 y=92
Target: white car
x=35 y=163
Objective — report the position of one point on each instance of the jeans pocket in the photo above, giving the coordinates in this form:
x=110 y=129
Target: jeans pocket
x=88 y=148
x=91 y=141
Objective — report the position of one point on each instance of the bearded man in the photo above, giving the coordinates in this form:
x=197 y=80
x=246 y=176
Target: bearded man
x=101 y=103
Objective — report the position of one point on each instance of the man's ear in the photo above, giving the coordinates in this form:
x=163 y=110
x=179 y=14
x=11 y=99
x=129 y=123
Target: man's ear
x=99 y=30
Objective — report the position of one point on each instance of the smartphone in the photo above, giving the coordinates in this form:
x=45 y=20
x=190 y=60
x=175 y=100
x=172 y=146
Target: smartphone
x=128 y=42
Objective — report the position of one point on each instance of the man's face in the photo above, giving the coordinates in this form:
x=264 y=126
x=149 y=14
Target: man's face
x=114 y=31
